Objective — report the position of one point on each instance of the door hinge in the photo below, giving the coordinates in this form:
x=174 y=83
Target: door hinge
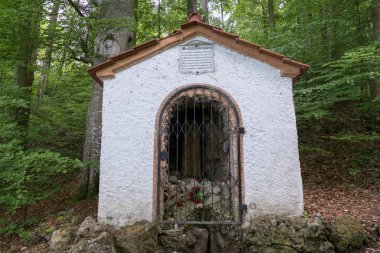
x=241 y=130
x=164 y=155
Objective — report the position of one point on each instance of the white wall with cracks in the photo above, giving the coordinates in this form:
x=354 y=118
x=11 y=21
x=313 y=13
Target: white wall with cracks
x=272 y=176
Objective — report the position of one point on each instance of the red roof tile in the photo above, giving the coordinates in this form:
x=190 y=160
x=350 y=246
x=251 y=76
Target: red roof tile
x=194 y=26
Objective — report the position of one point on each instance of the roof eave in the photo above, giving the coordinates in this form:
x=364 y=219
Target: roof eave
x=215 y=30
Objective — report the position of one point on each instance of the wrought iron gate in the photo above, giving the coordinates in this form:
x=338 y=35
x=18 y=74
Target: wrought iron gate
x=199 y=165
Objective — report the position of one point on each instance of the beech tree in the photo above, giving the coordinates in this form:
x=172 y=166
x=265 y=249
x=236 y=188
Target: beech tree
x=46 y=46
x=375 y=84
x=26 y=56
x=205 y=10
x=116 y=35
x=51 y=32
x=192 y=6
x=271 y=16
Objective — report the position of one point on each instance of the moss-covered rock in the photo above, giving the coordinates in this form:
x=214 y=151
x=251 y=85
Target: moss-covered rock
x=101 y=244
x=141 y=237
x=185 y=239
x=61 y=239
x=288 y=235
x=347 y=233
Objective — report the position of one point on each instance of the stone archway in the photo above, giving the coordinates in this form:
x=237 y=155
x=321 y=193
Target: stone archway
x=198 y=157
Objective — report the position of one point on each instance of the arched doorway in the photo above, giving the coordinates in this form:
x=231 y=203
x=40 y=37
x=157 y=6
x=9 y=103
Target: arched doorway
x=199 y=164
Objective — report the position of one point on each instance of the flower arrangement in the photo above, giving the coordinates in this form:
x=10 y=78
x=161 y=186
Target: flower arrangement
x=196 y=195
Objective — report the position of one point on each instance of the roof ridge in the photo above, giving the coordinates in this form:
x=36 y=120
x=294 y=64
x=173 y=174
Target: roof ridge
x=194 y=20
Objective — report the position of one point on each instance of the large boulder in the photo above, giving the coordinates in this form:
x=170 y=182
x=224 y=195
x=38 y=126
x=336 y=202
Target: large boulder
x=179 y=240
x=184 y=240
x=201 y=235
x=89 y=228
x=61 y=239
x=140 y=237
x=279 y=234
x=101 y=244
x=347 y=233
x=224 y=239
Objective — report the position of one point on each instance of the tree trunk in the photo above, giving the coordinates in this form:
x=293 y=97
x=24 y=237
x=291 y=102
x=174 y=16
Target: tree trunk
x=335 y=39
x=272 y=24
x=375 y=84
x=109 y=41
x=376 y=19
x=358 y=21
x=222 y=12
x=159 y=18
x=51 y=31
x=310 y=30
x=265 y=22
x=26 y=60
x=324 y=35
x=205 y=10
x=192 y=6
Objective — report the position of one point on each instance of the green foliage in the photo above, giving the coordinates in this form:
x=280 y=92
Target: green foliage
x=345 y=79
x=356 y=137
x=158 y=20
x=315 y=150
x=26 y=175
x=25 y=236
x=61 y=117
x=334 y=37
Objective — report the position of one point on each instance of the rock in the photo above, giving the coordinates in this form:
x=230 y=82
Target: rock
x=42 y=233
x=60 y=239
x=225 y=194
x=178 y=240
x=375 y=230
x=215 y=190
x=75 y=220
x=186 y=240
x=217 y=243
x=277 y=234
x=209 y=188
x=225 y=239
x=191 y=183
x=173 y=180
x=201 y=235
x=140 y=237
x=89 y=228
x=101 y=244
x=212 y=200
x=347 y=233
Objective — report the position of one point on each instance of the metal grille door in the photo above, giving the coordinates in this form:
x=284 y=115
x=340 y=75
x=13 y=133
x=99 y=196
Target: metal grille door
x=199 y=167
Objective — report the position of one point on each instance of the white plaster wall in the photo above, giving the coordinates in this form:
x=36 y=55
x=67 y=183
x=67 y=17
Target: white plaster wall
x=131 y=100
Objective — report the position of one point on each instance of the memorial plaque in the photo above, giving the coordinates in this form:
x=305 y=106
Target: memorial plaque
x=197 y=57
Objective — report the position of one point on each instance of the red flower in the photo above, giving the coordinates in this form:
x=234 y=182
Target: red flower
x=197 y=201
x=191 y=195
x=179 y=204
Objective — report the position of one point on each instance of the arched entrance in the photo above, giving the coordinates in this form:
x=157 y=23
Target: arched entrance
x=199 y=164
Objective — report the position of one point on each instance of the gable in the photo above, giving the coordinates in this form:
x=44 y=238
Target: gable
x=167 y=65
x=189 y=30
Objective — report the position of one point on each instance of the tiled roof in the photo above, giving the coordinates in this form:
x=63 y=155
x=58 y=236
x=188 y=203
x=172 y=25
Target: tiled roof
x=195 y=26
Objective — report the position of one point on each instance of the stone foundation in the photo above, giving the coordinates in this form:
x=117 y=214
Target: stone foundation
x=272 y=234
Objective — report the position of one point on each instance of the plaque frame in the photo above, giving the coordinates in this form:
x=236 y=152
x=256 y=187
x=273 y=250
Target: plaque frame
x=196 y=43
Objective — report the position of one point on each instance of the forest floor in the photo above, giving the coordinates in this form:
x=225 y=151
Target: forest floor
x=327 y=192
